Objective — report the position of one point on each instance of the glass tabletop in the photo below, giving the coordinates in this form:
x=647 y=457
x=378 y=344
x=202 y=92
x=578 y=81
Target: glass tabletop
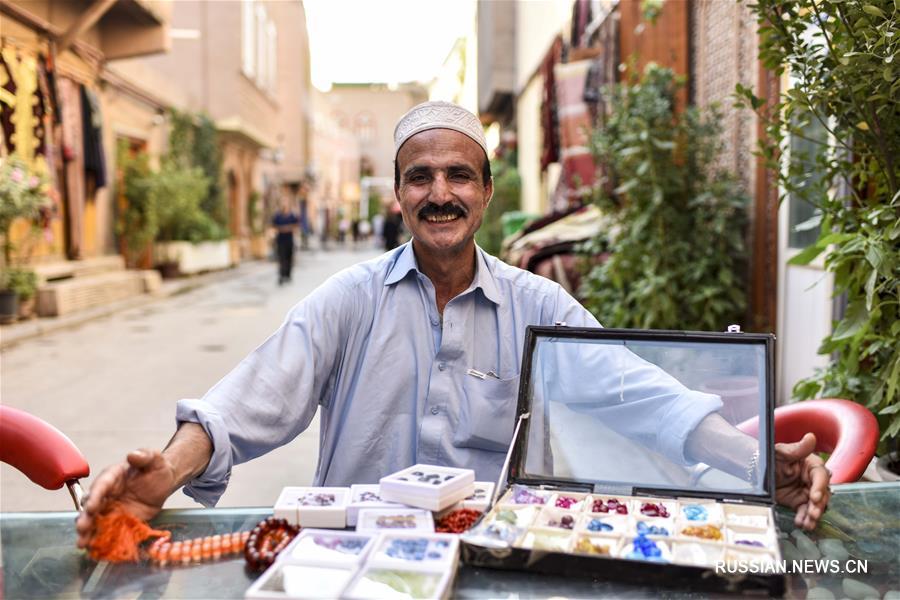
x=40 y=560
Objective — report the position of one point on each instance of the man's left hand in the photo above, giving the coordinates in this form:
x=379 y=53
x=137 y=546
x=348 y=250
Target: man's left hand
x=801 y=481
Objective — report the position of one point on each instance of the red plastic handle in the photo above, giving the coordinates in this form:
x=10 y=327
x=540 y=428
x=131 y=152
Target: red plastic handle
x=846 y=429
x=41 y=451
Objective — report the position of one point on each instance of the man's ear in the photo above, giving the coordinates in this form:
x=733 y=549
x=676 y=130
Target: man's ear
x=397 y=192
x=489 y=191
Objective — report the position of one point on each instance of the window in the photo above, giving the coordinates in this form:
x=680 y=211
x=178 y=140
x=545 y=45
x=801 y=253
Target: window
x=365 y=127
x=261 y=45
x=272 y=59
x=248 y=39
x=803 y=229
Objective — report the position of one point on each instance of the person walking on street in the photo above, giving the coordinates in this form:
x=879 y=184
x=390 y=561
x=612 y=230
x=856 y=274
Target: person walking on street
x=393 y=225
x=285 y=222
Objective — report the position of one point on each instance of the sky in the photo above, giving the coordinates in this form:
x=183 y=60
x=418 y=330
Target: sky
x=383 y=41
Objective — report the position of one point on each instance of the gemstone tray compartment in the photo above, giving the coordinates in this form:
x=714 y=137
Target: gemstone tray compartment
x=403 y=549
x=329 y=548
x=373 y=520
x=365 y=496
x=530 y=519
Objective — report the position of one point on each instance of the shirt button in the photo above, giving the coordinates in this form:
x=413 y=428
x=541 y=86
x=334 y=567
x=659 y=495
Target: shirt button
x=434 y=322
x=442 y=366
x=435 y=410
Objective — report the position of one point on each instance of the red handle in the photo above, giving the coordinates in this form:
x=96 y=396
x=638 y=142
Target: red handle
x=846 y=429
x=41 y=451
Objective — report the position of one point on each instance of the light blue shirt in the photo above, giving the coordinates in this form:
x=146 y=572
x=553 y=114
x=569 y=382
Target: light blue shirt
x=369 y=349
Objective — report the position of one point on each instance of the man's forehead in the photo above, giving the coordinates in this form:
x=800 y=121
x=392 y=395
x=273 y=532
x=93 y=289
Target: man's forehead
x=439 y=147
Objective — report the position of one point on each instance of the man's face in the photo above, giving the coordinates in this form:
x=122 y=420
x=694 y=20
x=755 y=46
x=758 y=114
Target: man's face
x=441 y=193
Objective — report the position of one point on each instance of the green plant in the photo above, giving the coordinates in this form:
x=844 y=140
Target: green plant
x=193 y=142
x=507 y=192
x=254 y=213
x=843 y=60
x=23 y=192
x=21 y=281
x=138 y=222
x=177 y=192
x=677 y=256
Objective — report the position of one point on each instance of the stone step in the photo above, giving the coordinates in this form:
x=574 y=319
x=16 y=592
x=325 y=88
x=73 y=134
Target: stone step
x=68 y=269
x=62 y=297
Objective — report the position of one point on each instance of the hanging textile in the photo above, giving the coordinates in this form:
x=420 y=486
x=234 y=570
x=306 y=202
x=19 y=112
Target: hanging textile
x=550 y=150
x=50 y=117
x=575 y=128
x=22 y=107
x=92 y=137
x=581 y=16
x=73 y=146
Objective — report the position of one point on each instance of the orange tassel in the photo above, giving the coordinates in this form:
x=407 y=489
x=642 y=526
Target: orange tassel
x=119 y=535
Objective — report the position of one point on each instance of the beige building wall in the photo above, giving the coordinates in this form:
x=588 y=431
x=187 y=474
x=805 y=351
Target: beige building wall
x=336 y=150
x=530 y=141
x=538 y=22
x=370 y=112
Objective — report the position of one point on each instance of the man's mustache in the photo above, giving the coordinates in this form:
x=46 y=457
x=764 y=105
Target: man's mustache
x=442 y=210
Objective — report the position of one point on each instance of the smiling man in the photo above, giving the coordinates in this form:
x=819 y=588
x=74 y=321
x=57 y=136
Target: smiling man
x=383 y=351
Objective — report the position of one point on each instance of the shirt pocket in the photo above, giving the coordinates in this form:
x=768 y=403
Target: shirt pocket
x=487 y=413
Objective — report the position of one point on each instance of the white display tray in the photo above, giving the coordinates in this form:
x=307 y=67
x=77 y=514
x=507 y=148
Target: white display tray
x=394 y=520
x=427 y=486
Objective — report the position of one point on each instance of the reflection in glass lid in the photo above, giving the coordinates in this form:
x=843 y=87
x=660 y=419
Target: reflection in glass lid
x=650 y=413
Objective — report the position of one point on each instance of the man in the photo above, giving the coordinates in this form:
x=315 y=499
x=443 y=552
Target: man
x=285 y=221
x=382 y=349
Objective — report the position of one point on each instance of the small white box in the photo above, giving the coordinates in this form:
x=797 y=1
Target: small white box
x=394 y=519
x=326 y=547
x=439 y=550
x=480 y=498
x=393 y=582
x=283 y=580
x=428 y=486
x=365 y=496
x=314 y=506
x=286 y=505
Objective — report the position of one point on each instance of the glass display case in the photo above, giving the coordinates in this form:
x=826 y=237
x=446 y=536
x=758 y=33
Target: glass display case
x=628 y=460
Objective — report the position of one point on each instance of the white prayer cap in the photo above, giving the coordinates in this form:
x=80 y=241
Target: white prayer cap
x=437 y=114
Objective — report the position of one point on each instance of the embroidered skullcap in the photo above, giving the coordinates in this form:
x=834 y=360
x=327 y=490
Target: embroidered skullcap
x=437 y=114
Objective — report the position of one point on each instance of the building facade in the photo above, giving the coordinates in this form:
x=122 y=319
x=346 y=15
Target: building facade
x=57 y=53
x=246 y=65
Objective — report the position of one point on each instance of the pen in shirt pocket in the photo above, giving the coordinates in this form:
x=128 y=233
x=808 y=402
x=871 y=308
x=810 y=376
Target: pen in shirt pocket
x=480 y=375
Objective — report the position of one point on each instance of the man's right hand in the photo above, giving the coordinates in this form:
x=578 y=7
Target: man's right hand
x=141 y=484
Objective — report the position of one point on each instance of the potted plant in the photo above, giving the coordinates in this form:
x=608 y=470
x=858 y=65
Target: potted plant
x=23 y=283
x=23 y=192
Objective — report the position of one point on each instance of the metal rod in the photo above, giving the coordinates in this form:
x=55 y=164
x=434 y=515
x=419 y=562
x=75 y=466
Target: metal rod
x=77 y=493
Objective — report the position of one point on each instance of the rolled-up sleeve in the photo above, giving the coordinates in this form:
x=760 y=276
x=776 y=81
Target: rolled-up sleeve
x=273 y=394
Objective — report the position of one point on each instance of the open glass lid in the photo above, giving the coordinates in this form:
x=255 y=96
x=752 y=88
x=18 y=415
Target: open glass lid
x=658 y=412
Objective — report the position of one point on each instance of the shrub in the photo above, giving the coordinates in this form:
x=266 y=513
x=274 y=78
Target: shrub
x=842 y=59
x=677 y=253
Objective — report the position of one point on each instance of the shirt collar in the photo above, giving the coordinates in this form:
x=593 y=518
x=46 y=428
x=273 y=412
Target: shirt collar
x=403 y=264
x=484 y=278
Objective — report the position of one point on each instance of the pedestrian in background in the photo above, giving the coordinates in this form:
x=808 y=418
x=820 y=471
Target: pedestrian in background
x=393 y=225
x=285 y=222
